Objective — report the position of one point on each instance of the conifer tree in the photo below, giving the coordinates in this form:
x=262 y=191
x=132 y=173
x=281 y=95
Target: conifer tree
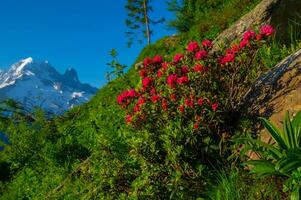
x=138 y=20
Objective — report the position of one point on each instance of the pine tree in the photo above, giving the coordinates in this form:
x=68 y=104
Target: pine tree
x=138 y=20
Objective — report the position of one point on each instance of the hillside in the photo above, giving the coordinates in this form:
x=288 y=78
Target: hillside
x=92 y=153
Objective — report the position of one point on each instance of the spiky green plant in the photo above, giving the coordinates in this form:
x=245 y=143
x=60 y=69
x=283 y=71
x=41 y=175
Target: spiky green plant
x=284 y=157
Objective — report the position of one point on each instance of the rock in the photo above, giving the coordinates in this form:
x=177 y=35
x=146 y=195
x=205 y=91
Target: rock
x=138 y=65
x=278 y=13
x=276 y=92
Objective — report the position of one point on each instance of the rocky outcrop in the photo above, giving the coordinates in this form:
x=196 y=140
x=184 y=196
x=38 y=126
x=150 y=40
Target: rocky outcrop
x=276 y=92
x=278 y=13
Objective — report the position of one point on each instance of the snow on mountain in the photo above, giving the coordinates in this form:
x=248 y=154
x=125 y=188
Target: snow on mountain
x=38 y=84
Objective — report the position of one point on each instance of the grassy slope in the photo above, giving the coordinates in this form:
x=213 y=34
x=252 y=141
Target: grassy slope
x=98 y=129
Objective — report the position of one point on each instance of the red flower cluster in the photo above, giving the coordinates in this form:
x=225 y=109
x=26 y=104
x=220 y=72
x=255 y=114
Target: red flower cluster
x=157 y=59
x=178 y=57
x=184 y=69
x=185 y=85
x=267 y=30
x=247 y=38
x=229 y=57
x=199 y=68
x=249 y=35
x=182 y=80
x=147 y=61
x=128 y=119
x=207 y=44
x=193 y=46
x=172 y=80
x=200 y=55
x=155 y=98
x=123 y=98
x=143 y=73
x=214 y=106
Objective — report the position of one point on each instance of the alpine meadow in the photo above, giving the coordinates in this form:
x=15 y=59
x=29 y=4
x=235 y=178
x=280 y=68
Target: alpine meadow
x=210 y=111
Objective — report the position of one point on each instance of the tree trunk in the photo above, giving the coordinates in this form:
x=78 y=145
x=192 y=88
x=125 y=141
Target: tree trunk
x=146 y=21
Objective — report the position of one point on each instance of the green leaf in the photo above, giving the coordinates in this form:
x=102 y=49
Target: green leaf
x=289 y=132
x=275 y=133
x=287 y=165
x=276 y=153
x=262 y=167
x=296 y=153
x=296 y=123
x=295 y=195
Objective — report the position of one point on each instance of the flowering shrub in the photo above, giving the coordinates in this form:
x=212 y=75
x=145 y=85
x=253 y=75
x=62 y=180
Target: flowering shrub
x=195 y=87
x=180 y=111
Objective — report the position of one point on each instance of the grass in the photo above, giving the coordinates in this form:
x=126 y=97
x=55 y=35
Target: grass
x=237 y=184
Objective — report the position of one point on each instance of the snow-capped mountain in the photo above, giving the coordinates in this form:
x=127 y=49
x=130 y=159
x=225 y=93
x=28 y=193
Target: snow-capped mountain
x=38 y=84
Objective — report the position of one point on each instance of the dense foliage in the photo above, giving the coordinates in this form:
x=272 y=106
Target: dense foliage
x=206 y=18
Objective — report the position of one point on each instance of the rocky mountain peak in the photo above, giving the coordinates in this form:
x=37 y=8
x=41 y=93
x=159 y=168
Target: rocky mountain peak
x=39 y=84
x=71 y=75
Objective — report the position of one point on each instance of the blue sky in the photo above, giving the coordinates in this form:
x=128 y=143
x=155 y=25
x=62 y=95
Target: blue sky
x=70 y=33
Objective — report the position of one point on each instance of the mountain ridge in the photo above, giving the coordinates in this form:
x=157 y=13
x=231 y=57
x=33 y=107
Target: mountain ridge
x=39 y=84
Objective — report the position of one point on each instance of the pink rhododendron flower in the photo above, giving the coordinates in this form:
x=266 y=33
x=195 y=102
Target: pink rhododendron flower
x=173 y=97
x=136 y=108
x=200 y=101
x=128 y=119
x=233 y=50
x=157 y=59
x=249 y=34
x=146 y=82
x=164 y=105
x=181 y=108
x=143 y=73
x=178 y=57
x=200 y=55
x=258 y=37
x=165 y=65
x=159 y=73
x=198 y=67
x=189 y=103
x=131 y=93
x=172 y=80
x=141 y=101
x=244 y=43
x=227 y=58
x=182 y=80
x=153 y=91
x=196 y=126
x=155 y=98
x=192 y=46
x=147 y=61
x=207 y=43
x=214 y=106
x=184 y=69
x=267 y=30
x=122 y=98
